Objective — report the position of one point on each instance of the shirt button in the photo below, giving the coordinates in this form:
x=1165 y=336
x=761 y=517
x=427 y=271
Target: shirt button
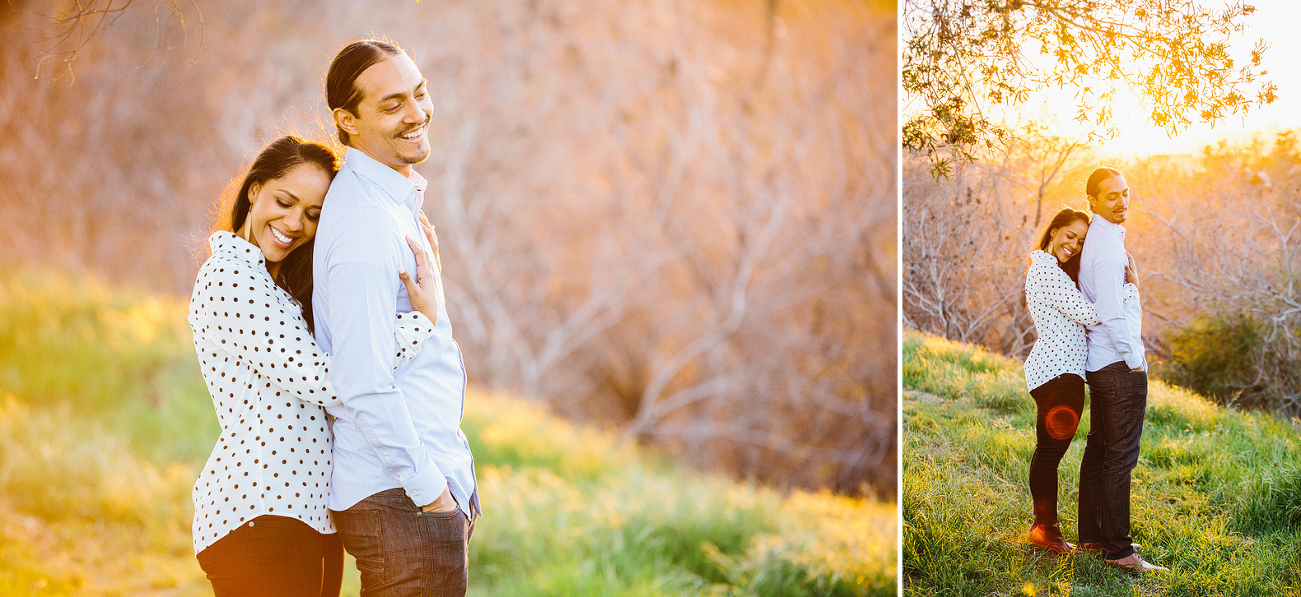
x=415 y=493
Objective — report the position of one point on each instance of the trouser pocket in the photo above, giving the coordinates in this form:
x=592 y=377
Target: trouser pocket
x=362 y=532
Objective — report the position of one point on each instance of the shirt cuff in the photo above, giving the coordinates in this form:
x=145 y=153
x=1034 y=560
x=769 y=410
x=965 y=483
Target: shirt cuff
x=412 y=329
x=1129 y=291
x=1135 y=362
x=424 y=489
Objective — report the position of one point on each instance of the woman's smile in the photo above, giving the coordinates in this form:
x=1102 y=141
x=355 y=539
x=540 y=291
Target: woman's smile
x=283 y=212
x=284 y=240
x=1067 y=240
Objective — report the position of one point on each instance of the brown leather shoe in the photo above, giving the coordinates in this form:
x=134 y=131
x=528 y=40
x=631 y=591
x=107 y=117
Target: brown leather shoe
x=1134 y=563
x=1050 y=538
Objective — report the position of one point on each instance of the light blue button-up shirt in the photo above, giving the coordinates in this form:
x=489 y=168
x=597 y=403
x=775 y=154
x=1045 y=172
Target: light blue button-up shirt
x=1118 y=335
x=394 y=428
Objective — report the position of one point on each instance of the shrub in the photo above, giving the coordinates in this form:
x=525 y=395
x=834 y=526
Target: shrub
x=1218 y=355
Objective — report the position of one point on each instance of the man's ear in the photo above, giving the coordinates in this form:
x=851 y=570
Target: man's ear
x=345 y=120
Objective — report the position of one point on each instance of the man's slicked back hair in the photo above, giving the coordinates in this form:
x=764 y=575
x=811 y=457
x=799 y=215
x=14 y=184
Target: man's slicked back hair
x=341 y=81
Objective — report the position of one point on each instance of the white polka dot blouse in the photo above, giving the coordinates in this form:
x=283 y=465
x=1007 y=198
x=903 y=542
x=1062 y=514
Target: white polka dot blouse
x=269 y=382
x=1060 y=313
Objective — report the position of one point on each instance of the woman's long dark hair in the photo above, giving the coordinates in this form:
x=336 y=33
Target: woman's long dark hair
x=276 y=160
x=1065 y=217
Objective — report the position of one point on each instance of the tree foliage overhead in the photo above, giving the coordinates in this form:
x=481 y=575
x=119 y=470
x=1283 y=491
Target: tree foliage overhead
x=963 y=58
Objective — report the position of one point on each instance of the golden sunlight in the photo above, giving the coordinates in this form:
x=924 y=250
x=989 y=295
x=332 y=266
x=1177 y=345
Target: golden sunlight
x=1138 y=137
x=1273 y=21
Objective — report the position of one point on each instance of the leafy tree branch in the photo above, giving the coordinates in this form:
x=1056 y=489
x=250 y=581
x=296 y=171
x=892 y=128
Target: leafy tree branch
x=966 y=62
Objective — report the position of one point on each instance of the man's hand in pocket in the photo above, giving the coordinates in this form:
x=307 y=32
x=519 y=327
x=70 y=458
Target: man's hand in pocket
x=444 y=503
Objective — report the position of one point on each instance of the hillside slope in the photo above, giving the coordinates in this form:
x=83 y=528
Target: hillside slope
x=104 y=422
x=1216 y=495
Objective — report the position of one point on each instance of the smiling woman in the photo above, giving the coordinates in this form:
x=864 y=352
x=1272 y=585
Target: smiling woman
x=285 y=187
x=283 y=212
x=1064 y=241
x=1054 y=371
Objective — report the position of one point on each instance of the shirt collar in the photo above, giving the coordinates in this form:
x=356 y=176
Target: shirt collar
x=400 y=189
x=225 y=242
x=1042 y=257
x=1107 y=226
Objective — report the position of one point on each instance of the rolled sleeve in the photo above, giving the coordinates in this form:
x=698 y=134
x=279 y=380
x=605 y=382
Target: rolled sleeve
x=363 y=286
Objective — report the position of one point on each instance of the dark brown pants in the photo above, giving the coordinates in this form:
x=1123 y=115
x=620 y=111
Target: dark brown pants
x=1060 y=402
x=1117 y=404
x=274 y=556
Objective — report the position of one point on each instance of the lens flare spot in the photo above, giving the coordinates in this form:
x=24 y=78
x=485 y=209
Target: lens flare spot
x=1061 y=422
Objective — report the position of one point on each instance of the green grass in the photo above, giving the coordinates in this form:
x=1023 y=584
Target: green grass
x=104 y=423
x=1216 y=494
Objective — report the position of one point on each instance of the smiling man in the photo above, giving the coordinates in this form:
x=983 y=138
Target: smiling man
x=401 y=463
x=1116 y=372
